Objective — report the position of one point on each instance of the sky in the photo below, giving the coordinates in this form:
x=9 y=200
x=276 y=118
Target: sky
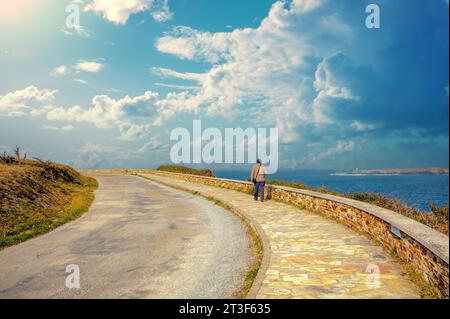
x=108 y=92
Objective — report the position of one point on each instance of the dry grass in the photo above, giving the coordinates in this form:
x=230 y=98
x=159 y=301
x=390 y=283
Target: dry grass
x=436 y=219
x=186 y=170
x=36 y=197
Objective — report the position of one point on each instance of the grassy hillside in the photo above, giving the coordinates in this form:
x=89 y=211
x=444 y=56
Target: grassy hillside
x=36 y=197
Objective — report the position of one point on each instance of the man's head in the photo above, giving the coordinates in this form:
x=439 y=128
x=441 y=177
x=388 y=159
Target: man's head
x=258 y=161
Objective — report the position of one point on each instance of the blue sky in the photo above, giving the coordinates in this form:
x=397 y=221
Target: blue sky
x=342 y=96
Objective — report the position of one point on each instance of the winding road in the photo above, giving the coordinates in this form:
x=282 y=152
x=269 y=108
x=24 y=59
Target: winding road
x=139 y=240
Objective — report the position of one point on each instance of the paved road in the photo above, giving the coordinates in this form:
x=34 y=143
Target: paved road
x=139 y=240
x=311 y=256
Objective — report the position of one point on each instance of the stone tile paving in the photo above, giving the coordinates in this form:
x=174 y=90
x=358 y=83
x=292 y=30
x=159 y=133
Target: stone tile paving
x=313 y=257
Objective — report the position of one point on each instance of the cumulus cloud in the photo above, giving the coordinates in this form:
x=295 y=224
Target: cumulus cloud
x=131 y=132
x=281 y=65
x=191 y=44
x=327 y=89
x=306 y=68
x=89 y=66
x=107 y=112
x=119 y=11
x=26 y=101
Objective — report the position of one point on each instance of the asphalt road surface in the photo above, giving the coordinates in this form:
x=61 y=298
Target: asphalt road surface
x=139 y=240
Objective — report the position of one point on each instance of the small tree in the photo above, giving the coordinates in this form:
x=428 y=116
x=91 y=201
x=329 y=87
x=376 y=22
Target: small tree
x=17 y=152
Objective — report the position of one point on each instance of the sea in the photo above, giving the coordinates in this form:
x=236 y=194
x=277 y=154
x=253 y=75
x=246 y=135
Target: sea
x=417 y=191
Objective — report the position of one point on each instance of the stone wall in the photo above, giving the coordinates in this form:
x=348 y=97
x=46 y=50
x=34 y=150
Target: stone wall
x=415 y=244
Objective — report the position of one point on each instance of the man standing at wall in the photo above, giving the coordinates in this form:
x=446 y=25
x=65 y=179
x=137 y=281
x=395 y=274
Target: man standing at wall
x=258 y=178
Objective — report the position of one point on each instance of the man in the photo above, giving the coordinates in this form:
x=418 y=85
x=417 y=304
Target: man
x=259 y=179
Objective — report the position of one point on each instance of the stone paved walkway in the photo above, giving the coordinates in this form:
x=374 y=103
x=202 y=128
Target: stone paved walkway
x=313 y=257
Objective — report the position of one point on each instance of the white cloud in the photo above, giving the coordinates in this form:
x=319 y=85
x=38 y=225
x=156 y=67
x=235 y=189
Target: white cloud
x=91 y=156
x=80 y=66
x=188 y=43
x=65 y=128
x=269 y=65
x=165 y=73
x=60 y=70
x=340 y=148
x=280 y=66
x=327 y=88
x=81 y=81
x=119 y=11
x=131 y=132
x=89 y=66
x=154 y=145
x=25 y=101
x=162 y=13
x=107 y=112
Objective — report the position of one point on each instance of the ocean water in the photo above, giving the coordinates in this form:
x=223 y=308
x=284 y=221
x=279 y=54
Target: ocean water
x=418 y=191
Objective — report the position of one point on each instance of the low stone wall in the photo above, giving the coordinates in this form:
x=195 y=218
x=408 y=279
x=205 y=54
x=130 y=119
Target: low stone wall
x=415 y=244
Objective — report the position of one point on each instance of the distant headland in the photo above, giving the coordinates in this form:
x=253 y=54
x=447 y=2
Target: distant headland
x=402 y=171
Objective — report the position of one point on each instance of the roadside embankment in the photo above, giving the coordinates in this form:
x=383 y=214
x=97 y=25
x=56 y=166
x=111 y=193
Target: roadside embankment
x=36 y=197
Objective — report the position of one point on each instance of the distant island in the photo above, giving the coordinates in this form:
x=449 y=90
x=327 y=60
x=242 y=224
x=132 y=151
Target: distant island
x=402 y=171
